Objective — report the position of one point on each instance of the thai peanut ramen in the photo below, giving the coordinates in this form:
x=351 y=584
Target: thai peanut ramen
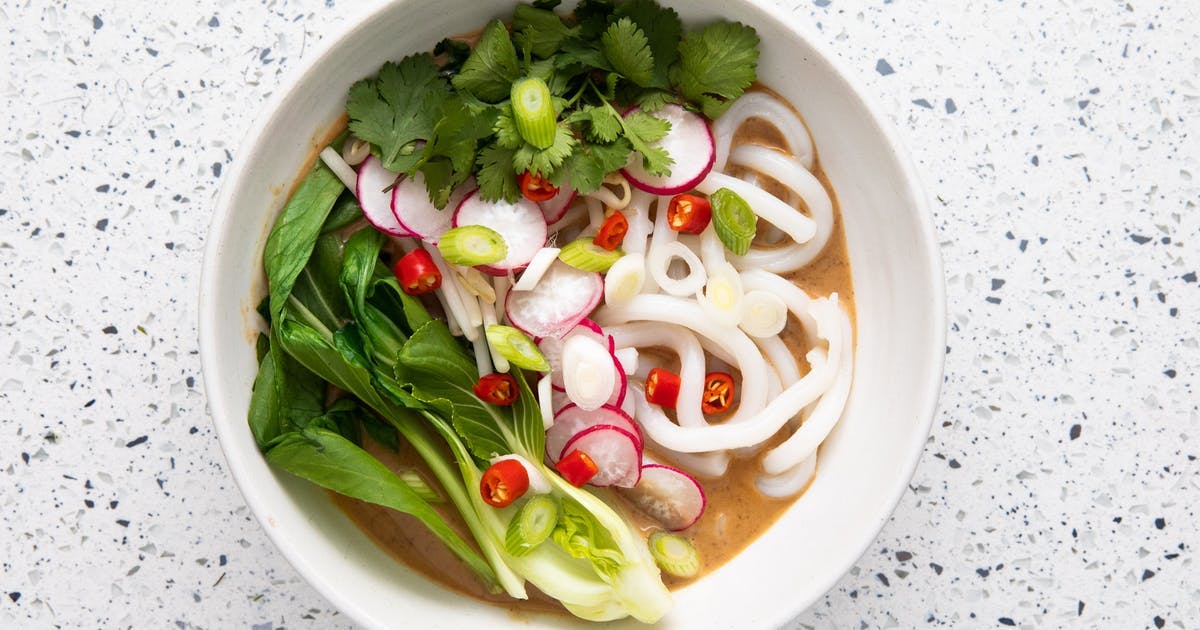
x=563 y=314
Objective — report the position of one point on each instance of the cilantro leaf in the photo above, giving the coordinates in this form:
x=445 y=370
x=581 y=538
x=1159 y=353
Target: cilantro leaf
x=546 y=4
x=449 y=156
x=716 y=64
x=593 y=17
x=642 y=129
x=647 y=127
x=489 y=72
x=581 y=56
x=605 y=124
x=590 y=163
x=496 y=177
x=626 y=47
x=654 y=100
x=397 y=108
x=538 y=31
x=507 y=136
x=545 y=161
x=663 y=31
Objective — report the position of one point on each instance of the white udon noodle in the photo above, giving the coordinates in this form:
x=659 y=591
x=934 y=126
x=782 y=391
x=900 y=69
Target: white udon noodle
x=776 y=397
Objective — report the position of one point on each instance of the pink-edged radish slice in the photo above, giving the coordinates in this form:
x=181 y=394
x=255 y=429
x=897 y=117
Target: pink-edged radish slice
x=571 y=421
x=371 y=188
x=689 y=143
x=614 y=450
x=411 y=205
x=594 y=327
x=669 y=496
x=562 y=298
x=555 y=207
x=520 y=224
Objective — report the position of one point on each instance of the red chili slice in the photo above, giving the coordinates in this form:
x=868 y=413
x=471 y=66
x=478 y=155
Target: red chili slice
x=612 y=231
x=498 y=389
x=504 y=482
x=662 y=388
x=689 y=213
x=417 y=273
x=718 y=392
x=577 y=468
x=535 y=187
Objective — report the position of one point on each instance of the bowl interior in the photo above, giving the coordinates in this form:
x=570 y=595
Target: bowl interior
x=864 y=466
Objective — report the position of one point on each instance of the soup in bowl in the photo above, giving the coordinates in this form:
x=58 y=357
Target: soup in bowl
x=569 y=328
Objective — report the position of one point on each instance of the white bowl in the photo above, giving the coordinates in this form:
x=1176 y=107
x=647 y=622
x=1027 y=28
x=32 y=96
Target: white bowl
x=865 y=465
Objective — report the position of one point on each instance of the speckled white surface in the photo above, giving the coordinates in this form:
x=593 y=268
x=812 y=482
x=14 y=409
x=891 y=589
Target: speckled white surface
x=1060 y=484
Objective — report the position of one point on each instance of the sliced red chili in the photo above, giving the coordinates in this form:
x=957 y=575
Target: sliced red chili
x=577 y=468
x=498 y=389
x=662 y=388
x=535 y=187
x=504 y=482
x=689 y=213
x=718 y=392
x=417 y=273
x=612 y=231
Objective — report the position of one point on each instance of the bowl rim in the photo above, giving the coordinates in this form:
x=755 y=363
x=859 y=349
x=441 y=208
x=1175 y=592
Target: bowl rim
x=208 y=335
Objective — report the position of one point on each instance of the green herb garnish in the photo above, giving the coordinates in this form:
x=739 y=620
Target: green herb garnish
x=451 y=116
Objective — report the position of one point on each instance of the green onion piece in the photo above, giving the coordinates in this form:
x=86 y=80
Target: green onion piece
x=533 y=111
x=674 y=554
x=416 y=482
x=470 y=245
x=583 y=254
x=517 y=347
x=733 y=220
x=532 y=525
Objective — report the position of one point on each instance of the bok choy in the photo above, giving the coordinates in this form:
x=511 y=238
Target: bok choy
x=337 y=317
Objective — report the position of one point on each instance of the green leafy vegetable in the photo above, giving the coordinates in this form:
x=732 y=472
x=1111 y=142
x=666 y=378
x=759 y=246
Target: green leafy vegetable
x=628 y=50
x=401 y=106
x=330 y=460
x=716 y=64
x=539 y=30
x=489 y=72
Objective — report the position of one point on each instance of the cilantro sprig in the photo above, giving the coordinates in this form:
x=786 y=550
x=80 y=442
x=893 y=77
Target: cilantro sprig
x=448 y=115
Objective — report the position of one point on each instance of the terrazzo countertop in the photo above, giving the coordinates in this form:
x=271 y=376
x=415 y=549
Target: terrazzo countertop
x=1059 y=486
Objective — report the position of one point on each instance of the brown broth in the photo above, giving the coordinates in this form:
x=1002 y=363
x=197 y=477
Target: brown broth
x=736 y=514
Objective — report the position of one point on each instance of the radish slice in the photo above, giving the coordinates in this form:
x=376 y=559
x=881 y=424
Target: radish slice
x=689 y=143
x=588 y=375
x=617 y=454
x=376 y=204
x=412 y=208
x=536 y=268
x=669 y=495
x=555 y=208
x=562 y=298
x=571 y=421
x=521 y=225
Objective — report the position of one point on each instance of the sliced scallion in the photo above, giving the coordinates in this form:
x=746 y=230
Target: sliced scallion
x=470 y=245
x=533 y=111
x=583 y=254
x=531 y=525
x=674 y=554
x=517 y=347
x=733 y=220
